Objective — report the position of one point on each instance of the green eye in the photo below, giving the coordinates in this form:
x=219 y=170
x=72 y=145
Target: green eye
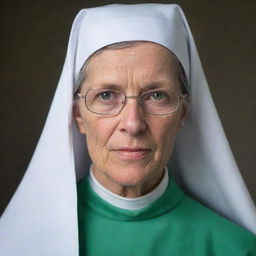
x=158 y=95
x=106 y=95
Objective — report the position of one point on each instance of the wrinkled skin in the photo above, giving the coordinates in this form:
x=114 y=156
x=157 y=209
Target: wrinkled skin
x=113 y=141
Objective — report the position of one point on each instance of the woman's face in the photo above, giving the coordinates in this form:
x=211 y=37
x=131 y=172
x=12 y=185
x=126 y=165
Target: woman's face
x=132 y=147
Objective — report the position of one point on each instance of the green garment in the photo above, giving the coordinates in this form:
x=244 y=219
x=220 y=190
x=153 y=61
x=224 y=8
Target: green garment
x=174 y=225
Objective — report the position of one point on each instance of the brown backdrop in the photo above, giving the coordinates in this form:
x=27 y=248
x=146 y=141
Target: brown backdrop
x=34 y=38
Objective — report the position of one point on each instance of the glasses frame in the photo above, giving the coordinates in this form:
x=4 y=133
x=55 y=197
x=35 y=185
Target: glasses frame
x=83 y=96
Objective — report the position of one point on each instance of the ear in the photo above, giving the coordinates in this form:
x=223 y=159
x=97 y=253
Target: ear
x=78 y=118
x=183 y=115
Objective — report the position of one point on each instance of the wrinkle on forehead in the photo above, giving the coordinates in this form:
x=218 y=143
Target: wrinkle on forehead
x=143 y=64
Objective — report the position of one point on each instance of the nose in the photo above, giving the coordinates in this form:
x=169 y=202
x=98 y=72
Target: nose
x=132 y=118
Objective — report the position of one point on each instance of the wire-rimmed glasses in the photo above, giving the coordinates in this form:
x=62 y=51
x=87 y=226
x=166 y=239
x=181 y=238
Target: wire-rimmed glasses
x=111 y=102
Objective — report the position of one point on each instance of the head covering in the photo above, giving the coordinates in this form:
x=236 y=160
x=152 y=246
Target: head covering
x=41 y=218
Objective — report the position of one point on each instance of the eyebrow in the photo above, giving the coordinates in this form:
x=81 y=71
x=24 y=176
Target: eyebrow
x=154 y=85
x=108 y=86
x=118 y=87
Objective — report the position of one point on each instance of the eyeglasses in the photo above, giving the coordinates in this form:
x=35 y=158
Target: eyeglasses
x=111 y=102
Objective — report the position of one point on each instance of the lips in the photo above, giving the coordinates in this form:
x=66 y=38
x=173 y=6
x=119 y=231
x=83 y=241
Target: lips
x=132 y=153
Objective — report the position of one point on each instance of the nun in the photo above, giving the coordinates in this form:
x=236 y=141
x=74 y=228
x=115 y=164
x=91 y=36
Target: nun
x=133 y=159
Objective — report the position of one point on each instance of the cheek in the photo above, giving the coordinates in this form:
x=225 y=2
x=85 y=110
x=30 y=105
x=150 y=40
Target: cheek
x=98 y=134
x=165 y=133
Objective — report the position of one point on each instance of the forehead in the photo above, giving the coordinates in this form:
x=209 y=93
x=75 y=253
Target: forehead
x=142 y=62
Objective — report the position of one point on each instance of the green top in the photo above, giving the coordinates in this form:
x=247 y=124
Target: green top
x=174 y=225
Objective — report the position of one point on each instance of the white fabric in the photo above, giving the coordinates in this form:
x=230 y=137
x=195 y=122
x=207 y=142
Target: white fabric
x=129 y=203
x=41 y=218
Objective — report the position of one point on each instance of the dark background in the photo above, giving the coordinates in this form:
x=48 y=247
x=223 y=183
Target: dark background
x=34 y=37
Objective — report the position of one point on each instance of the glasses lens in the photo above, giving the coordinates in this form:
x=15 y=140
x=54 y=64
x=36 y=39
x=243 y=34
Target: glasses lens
x=104 y=101
x=160 y=102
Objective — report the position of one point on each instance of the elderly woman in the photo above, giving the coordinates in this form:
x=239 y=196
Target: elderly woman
x=133 y=90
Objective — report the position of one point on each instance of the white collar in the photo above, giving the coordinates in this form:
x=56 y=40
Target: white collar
x=129 y=203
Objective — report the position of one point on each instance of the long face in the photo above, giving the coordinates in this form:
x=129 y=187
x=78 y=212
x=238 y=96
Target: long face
x=132 y=147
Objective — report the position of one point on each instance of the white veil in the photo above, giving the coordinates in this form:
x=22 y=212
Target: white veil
x=41 y=218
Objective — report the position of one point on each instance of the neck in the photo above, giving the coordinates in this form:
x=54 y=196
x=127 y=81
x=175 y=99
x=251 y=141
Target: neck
x=129 y=191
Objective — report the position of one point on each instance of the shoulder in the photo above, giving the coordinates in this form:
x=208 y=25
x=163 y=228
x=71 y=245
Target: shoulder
x=220 y=231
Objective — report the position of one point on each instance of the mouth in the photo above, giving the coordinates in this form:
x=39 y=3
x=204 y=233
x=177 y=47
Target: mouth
x=132 y=153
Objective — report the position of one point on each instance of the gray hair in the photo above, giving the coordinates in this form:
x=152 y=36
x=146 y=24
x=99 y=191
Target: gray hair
x=83 y=71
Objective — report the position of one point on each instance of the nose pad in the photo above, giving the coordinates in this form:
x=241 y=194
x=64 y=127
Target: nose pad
x=132 y=120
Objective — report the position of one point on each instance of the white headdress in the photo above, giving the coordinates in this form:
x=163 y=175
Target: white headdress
x=41 y=218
